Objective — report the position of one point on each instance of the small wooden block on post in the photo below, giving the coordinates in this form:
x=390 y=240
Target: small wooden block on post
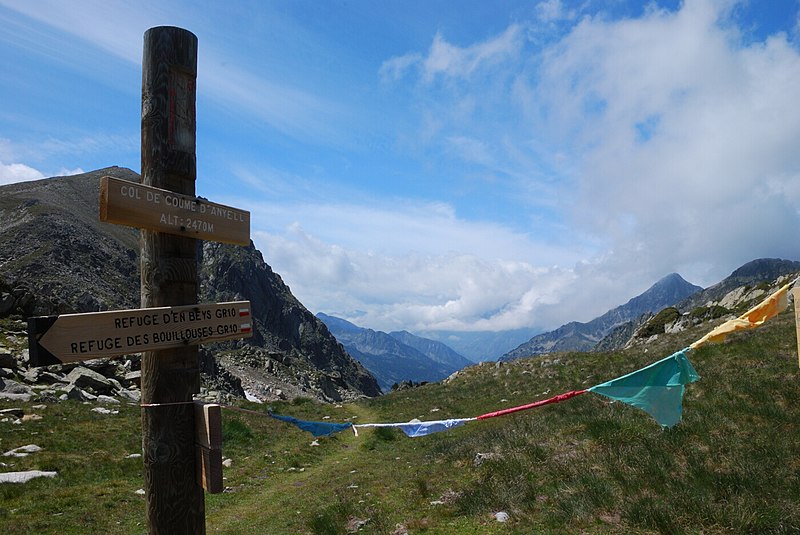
x=796 y=295
x=208 y=446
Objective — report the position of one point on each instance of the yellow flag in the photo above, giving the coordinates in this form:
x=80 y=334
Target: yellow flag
x=766 y=309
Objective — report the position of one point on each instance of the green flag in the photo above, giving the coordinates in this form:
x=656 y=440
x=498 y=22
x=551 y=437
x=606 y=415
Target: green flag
x=656 y=389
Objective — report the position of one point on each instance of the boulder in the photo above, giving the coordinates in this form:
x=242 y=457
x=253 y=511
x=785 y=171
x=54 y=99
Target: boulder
x=7 y=359
x=84 y=377
x=7 y=386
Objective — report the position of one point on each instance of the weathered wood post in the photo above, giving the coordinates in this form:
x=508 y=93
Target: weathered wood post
x=174 y=500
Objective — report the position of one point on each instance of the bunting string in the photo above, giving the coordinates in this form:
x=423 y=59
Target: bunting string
x=657 y=389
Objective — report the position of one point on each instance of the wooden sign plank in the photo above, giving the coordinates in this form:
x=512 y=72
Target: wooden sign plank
x=136 y=205
x=76 y=337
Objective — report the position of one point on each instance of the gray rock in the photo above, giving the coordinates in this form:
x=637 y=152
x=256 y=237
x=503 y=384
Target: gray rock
x=8 y=386
x=24 y=477
x=84 y=377
x=73 y=392
x=50 y=378
x=130 y=395
x=14 y=411
x=107 y=399
x=23 y=451
x=133 y=377
x=7 y=359
x=6 y=303
x=15 y=397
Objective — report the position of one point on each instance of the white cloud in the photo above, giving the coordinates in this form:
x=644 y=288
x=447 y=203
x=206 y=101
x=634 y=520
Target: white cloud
x=450 y=60
x=18 y=172
x=683 y=136
x=412 y=290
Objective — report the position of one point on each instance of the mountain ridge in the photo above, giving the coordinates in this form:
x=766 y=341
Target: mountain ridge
x=578 y=336
x=395 y=357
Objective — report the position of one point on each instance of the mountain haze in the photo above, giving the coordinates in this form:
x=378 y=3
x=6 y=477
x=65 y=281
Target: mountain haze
x=396 y=357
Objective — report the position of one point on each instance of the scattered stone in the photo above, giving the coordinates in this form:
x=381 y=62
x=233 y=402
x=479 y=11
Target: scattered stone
x=227 y=463
x=15 y=397
x=15 y=412
x=480 y=457
x=50 y=378
x=84 y=377
x=24 y=477
x=103 y=410
x=7 y=359
x=133 y=456
x=140 y=492
x=73 y=392
x=315 y=443
x=400 y=529
x=102 y=398
x=8 y=386
x=354 y=525
x=501 y=516
x=22 y=451
x=130 y=395
x=39 y=407
x=31 y=417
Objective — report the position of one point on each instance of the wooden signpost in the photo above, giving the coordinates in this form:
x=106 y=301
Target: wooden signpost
x=76 y=337
x=135 y=205
x=181 y=439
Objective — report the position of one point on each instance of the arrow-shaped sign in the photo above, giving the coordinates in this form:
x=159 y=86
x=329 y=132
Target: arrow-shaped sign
x=76 y=337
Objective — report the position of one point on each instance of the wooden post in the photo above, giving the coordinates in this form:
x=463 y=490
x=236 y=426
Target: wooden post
x=174 y=501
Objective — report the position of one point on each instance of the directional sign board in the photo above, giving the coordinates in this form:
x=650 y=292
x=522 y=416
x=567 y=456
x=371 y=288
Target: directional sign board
x=76 y=337
x=135 y=205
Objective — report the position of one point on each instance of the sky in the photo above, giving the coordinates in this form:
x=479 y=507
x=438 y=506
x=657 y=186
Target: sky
x=446 y=165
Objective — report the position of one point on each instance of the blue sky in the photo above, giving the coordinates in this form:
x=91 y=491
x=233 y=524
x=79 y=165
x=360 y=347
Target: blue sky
x=452 y=165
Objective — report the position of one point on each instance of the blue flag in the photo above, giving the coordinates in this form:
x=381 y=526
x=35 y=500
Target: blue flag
x=318 y=429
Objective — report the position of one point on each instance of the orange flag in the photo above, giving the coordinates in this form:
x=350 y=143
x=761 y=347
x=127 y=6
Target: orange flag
x=768 y=308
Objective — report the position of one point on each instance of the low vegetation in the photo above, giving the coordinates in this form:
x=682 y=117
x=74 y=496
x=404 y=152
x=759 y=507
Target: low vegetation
x=582 y=466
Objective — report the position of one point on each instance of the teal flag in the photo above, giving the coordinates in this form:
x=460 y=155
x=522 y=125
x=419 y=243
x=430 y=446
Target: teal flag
x=656 y=389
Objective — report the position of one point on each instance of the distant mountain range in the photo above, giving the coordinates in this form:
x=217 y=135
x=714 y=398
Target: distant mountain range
x=395 y=357
x=481 y=346
x=577 y=336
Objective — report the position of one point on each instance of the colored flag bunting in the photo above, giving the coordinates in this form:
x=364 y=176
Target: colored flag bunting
x=656 y=389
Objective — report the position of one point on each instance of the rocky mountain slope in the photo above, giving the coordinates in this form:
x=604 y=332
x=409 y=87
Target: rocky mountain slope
x=397 y=357
x=735 y=294
x=57 y=257
x=577 y=336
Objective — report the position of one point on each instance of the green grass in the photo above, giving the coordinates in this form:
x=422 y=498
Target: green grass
x=582 y=466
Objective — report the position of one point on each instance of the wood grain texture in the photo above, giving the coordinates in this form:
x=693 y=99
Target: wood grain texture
x=174 y=501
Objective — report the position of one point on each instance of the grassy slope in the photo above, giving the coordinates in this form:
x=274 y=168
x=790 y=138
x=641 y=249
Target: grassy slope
x=584 y=465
